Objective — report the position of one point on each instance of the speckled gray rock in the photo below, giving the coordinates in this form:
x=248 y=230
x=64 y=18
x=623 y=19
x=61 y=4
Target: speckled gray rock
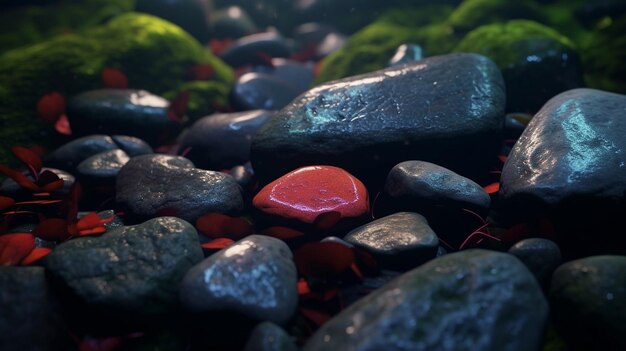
x=221 y=141
x=424 y=184
x=102 y=167
x=151 y=184
x=434 y=110
x=131 y=271
x=255 y=277
x=399 y=241
x=588 y=301
x=256 y=90
x=30 y=318
x=254 y=48
x=131 y=112
x=469 y=300
x=406 y=53
x=267 y=336
x=541 y=257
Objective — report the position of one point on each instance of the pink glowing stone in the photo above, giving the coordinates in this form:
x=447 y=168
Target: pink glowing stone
x=311 y=191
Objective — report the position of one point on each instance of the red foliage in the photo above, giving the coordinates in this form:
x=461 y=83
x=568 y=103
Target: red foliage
x=219 y=45
x=35 y=255
x=283 y=233
x=51 y=106
x=201 y=71
x=15 y=247
x=323 y=260
x=178 y=107
x=217 y=225
x=217 y=244
x=113 y=78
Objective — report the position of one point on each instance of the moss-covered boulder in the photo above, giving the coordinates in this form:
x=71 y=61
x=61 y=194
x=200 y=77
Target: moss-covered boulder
x=536 y=61
x=604 y=56
x=471 y=14
x=154 y=54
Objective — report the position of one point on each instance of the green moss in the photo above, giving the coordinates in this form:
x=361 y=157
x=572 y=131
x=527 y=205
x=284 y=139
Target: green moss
x=471 y=14
x=204 y=97
x=153 y=53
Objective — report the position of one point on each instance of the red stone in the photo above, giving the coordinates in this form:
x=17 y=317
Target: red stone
x=311 y=191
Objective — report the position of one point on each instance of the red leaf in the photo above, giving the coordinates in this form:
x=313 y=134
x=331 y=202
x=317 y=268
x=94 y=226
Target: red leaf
x=219 y=45
x=53 y=229
x=217 y=244
x=51 y=106
x=327 y=220
x=315 y=316
x=113 y=78
x=35 y=255
x=202 y=71
x=100 y=344
x=179 y=106
x=49 y=181
x=303 y=287
x=92 y=223
x=492 y=188
x=283 y=233
x=15 y=247
x=502 y=158
x=323 y=260
x=217 y=225
x=6 y=202
x=265 y=57
x=29 y=158
x=19 y=178
x=62 y=125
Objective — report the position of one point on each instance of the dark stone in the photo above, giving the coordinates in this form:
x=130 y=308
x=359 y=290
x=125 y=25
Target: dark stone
x=232 y=22
x=129 y=272
x=255 y=48
x=298 y=75
x=30 y=318
x=149 y=185
x=515 y=123
x=541 y=257
x=69 y=155
x=190 y=15
x=331 y=43
x=406 y=53
x=366 y=124
x=588 y=301
x=268 y=336
x=10 y=188
x=244 y=176
x=469 y=300
x=131 y=112
x=307 y=34
x=400 y=241
x=221 y=141
x=254 y=277
x=102 y=167
x=254 y=91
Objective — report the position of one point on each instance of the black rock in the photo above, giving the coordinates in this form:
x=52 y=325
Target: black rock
x=268 y=336
x=31 y=318
x=254 y=91
x=255 y=49
x=221 y=141
x=406 y=53
x=131 y=112
x=588 y=302
x=541 y=257
x=131 y=272
x=433 y=110
x=401 y=241
x=254 y=277
x=232 y=22
x=190 y=15
x=244 y=176
x=102 y=167
x=298 y=75
x=131 y=145
x=469 y=300
x=150 y=185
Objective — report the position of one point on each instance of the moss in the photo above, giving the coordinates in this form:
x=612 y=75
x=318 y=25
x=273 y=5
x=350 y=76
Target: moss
x=153 y=53
x=471 y=14
x=204 y=97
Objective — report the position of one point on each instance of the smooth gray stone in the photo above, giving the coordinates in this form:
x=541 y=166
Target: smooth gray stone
x=255 y=277
x=469 y=300
x=246 y=50
x=267 y=336
x=254 y=90
x=541 y=257
x=103 y=166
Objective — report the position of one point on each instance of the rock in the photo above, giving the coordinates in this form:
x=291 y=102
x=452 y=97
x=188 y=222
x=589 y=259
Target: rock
x=190 y=15
x=588 y=301
x=71 y=154
x=603 y=53
x=400 y=241
x=103 y=167
x=541 y=257
x=299 y=76
x=152 y=184
x=232 y=22
x=527 y=52
x=469 y=300
x=420 y=185
x=205 y=97
x=267 y=336
x=244 y=176
x=123 y=111
x=310 y=192
x=253 y=91
x=255 y=49
x=222 y=140
x=255 y=277
x=130 y=272
x=367 y=124
x=331 y=43
x=406 y=53
x=31 y=319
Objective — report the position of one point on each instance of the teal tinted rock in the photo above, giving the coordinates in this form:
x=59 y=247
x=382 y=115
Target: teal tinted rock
x=268 y=336
x=469 y=300
x=541 y=257
x=527 y=53
x=588 y=301
x=131 y=271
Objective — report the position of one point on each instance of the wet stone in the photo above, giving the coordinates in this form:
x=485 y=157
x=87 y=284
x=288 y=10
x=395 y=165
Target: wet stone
x=102 y=167
x=406 y=53
x=254 y=91
x=131 y=112
x=588 y=301
x=232 y=22
x=541 y=257
x=468 y=300
x=268 y=336
x=152 y=184
x=255 y=49
x=366 y=124
x=255 y=277
x=400 y=241
x=221 y=141
x=131 y=271
x=298 y=75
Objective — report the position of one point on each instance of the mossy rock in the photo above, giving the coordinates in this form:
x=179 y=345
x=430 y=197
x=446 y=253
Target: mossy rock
x=536 y=61
x=471 y=14
x=371 y=48
x=205 y=97
x=28 y=25
x=153 y=53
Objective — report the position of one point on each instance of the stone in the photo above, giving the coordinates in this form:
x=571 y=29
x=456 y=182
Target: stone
x=309 y=192
x=468 y=300
x=400 y=241
x=232 y=22
x=541 y=257
x=267 y=336
x=31 y=318
x=588 y=301
x=222 y=140
x=331 y=43
x=298 y=75
x=255 y=277
x=152 y=184
x=253 y=91
x=255 y=49
x=103 y=167
x=406 y=53
x=366 y=124
x=130 y=272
